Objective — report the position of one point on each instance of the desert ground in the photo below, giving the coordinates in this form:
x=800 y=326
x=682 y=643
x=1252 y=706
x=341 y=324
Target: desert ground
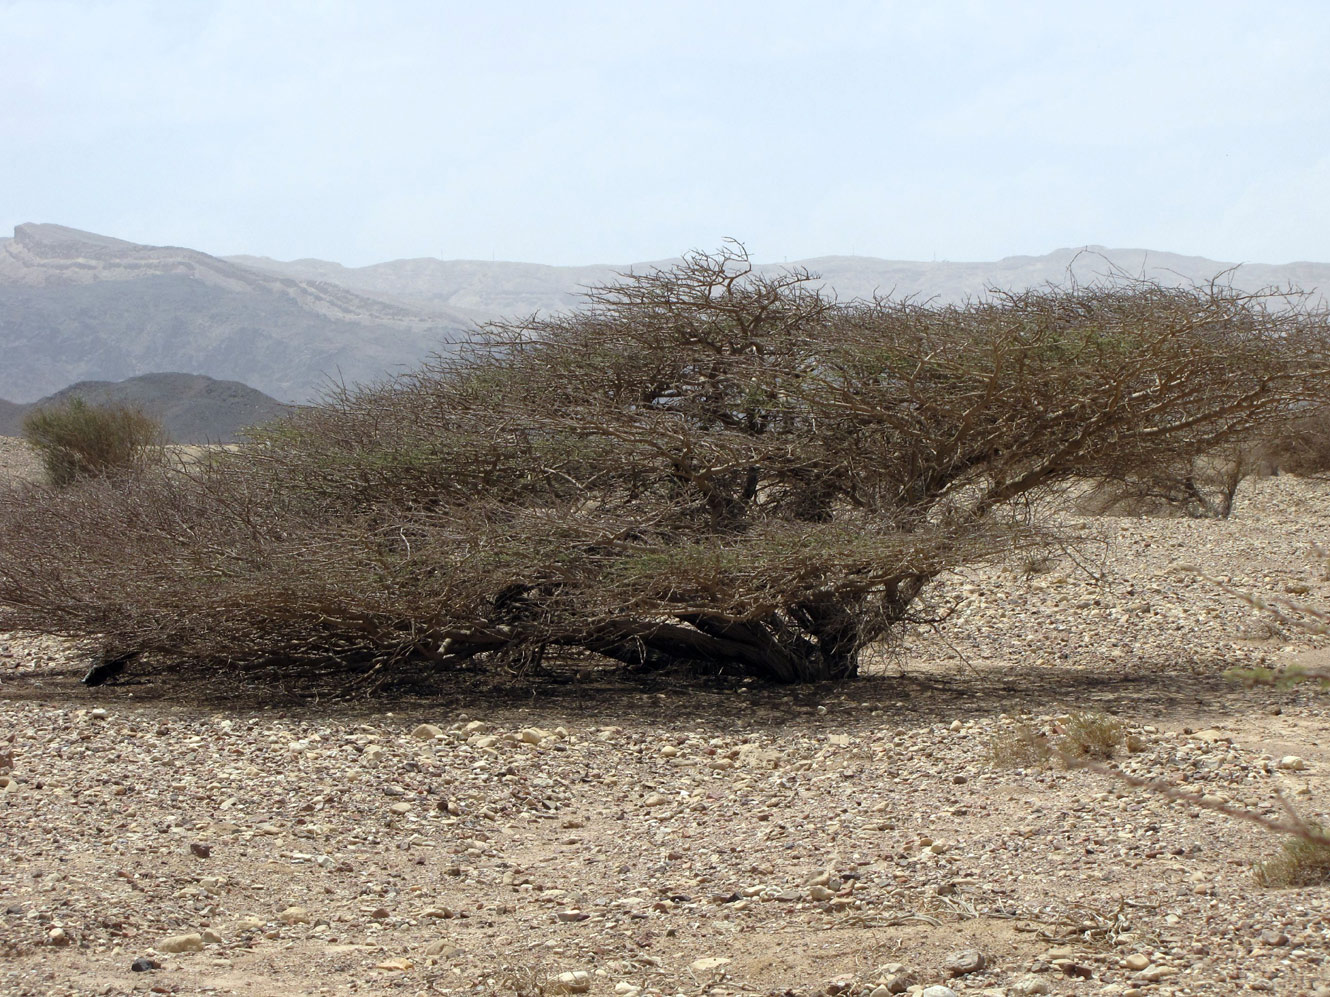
x=233 y=834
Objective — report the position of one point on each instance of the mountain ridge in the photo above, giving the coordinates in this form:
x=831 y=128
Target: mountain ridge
x=77 y=306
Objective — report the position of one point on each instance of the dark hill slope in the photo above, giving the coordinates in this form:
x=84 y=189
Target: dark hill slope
x=192 y=408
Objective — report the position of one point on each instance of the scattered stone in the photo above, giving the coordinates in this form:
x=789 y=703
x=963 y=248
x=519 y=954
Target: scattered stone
x=294 y=915
x=98 y=714
x=896 y=978
x=200 y=850
x=1292 y=763
x=1136 y=962
x=211 y=937
x=427 y=732
x=401 y=809
x=395 y=965
x=192 y=942
x=143 y=965
x=58 y=936
x=573 y=915
x=821 y=893
x=440 y=948
x=962 y=962
x=655 y=800
x=938 y=991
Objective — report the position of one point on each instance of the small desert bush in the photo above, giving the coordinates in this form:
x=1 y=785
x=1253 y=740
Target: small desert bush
x=1091 y=735
x=1019 y=746
x=77 y=440
x=1302 y=861
x=1082 y=736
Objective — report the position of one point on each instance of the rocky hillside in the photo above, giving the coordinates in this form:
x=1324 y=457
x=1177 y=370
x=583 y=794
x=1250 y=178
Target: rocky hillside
x=191 y=407
x=76 y=306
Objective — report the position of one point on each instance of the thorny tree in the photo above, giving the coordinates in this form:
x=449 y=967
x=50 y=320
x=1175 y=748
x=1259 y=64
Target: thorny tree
x=707 y=466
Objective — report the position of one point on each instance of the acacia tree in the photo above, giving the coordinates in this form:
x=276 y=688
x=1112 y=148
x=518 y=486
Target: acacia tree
x=706 y=466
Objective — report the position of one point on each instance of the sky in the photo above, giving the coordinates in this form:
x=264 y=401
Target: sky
x=576 y=132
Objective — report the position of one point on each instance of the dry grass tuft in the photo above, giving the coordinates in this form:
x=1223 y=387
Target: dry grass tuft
x=1091 y=735
x=1300 y=862
x=1019 y=746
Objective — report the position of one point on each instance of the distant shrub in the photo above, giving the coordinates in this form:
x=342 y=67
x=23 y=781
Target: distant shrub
x=1200 y=487
x=77 y=440
x=1304 y=449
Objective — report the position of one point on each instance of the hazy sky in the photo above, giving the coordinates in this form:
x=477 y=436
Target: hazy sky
x=564 y=131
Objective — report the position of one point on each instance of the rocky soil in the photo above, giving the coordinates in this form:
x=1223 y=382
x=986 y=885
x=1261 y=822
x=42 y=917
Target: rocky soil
x=703 y=838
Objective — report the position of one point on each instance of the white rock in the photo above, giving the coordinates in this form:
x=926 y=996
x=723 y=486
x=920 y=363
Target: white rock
x=708 y=965
x=193 y=942
x=1029 y=985
x=1292 y=763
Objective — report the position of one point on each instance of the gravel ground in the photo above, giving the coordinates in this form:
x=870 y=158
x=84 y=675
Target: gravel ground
x=706 y=838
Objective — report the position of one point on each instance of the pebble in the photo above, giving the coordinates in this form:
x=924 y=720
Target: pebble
x=1292 y=763
x=200 y=850
x=1136 y=962
x=821 y=893
x=938 y=991
x=143 y=965
x=427 y=732
x=294 y=915
x=962 y=962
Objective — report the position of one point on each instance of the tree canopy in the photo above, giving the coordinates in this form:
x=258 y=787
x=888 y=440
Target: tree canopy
x=707 y=466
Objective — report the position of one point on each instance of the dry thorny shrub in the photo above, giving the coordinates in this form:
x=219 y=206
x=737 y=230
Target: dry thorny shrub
x=1083 y=735
x=707 y=467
